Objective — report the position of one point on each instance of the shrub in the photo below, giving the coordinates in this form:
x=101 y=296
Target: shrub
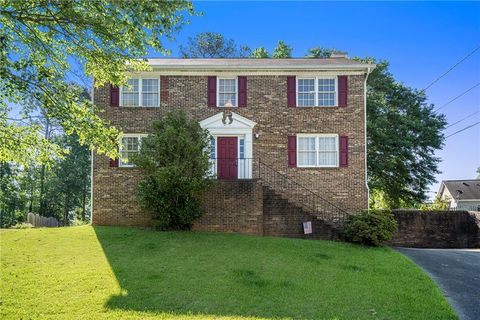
x=371 y=227
x=175 y=162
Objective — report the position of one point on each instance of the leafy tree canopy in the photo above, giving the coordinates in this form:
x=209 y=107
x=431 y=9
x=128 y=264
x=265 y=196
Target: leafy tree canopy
x=41 y=42
x=403 y=133
x=320 y=52
x=282 y=50
x=212 y=45
x=260 y=53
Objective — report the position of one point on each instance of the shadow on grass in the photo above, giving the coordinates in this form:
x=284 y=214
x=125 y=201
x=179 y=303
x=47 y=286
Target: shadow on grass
x=222 y=275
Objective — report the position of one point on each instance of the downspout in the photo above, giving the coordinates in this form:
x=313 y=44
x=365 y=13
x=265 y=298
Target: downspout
x=365 y=129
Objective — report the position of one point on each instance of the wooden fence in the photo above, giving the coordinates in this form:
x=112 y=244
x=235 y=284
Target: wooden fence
x=38 y=221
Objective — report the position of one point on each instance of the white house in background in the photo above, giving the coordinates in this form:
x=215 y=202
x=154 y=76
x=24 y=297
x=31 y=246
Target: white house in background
x=461 y=194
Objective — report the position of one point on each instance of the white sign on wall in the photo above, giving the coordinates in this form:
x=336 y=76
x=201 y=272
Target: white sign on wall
x=307 y=227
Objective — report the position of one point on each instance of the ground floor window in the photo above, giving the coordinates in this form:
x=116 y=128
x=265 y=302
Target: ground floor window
x=317 y=150
x=129 y=146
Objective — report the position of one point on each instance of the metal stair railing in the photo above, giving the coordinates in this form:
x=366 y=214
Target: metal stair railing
x=298 y=194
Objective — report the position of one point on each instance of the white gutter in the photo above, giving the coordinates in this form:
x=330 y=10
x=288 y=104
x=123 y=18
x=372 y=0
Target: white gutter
x=365 y=121
x=91 y=162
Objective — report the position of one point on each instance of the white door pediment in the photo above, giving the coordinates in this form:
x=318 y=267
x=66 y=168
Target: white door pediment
x=223 y=120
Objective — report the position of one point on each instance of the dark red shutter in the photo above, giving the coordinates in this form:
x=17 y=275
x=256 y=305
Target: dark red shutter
x=292 y=151
x=164 y=92
x=343 y=151
x=292 y=91
x=342 y=91
x=212 y=91
x=114 y=162
x=114 y=96
x=242 y=91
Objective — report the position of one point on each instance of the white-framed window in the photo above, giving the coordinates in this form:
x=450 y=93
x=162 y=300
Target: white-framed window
x=141 y=92
x=317 y=150
x=129 y=145
x=227 y=91
x=317 y=91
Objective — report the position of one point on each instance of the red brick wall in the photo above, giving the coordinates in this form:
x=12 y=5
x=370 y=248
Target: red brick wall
x=114 y=188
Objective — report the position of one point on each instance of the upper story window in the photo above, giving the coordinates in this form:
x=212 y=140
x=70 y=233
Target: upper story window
x=141 y=92
x=317 y=150
x=227 y=92
x=317 y=92
x=130 y=145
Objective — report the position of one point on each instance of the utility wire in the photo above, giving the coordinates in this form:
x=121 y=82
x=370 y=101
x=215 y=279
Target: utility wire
x=461 y=120
x=460 y=95
x=468 y=127
x=451 y=68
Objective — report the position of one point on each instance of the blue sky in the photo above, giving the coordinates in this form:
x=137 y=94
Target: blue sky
x=420 y=40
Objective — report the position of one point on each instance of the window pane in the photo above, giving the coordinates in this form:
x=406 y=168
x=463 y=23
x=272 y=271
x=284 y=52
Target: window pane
x=150 y=85
x=150 y=99
x=328 y=151
x=130 y=146
x=212 y=148
x=227 y=91
x=306 y=92
x=326 y=92
x=130 y=93
x=307 y=158
x=306 y=144
x=242 y=148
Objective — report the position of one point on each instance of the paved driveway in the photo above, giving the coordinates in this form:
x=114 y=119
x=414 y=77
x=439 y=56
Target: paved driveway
x=457 y=271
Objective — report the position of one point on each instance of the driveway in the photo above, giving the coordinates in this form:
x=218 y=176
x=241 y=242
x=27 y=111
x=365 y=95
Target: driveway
x=457 y=271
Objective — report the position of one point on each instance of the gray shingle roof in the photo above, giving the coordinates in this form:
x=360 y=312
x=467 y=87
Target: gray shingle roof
x=463 y=189
x=294 y=63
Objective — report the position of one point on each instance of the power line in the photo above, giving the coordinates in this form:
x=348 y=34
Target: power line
x=468 y=127
x=451 y=68
x=460 y=95
x=461 y=120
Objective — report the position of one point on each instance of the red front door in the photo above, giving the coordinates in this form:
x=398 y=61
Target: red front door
x=227 y=157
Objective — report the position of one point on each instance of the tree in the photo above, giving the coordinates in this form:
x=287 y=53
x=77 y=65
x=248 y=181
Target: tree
x=282 y=50
x=478 y=173
x=260 y=53
x=10 y=195
x=40 y=41
x=320 y=52
x=174 y=160
x=403 y=133
x=212 y=45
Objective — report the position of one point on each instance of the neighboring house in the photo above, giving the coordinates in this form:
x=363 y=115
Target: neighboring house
x=461 y=194
x=293 y=126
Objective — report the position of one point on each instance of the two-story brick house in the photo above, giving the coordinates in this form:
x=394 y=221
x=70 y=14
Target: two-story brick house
x=288 y=139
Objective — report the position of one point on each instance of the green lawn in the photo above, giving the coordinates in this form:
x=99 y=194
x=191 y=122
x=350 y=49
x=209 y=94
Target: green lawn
x=122 y=273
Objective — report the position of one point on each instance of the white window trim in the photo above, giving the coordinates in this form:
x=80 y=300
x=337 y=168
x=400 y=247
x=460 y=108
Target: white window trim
x=140 y=92
x=317 y=92
x=218 y=90
x=129 y=135
x=316 y=136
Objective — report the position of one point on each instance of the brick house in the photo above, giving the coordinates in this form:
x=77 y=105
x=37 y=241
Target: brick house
x=288 y=141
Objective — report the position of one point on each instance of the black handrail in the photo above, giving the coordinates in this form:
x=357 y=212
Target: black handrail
x=279 y=182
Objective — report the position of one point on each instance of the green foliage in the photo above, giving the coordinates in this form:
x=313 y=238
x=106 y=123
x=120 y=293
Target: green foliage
x=320 y=52
x=282 y=50
x=403 y=133
x=260 y=53
x=41 y=42
x=437 y=205
x=478 y=173
x=370 y=227
x=175 y=163
x=212 y=45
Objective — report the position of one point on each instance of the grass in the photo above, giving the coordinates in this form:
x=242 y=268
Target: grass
x=124 y=273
